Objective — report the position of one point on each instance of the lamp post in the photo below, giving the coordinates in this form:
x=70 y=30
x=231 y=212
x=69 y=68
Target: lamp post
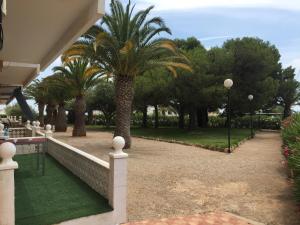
x=228 y=84
x=250 y=97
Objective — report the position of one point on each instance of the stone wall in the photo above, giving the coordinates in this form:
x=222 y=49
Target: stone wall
x=88 y=168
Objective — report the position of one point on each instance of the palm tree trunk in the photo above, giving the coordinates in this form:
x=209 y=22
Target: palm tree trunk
x=61 y=119
x=124 y=97
x=79 y=123
x=156 y=123
x=41 y=108
x=50 y=111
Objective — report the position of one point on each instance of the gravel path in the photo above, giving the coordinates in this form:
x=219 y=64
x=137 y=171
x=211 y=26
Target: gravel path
x=170 y=179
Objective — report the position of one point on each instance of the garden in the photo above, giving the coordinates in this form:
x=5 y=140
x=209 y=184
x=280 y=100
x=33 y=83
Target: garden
x=291 y=149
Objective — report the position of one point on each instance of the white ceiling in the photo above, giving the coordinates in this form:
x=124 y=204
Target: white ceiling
x=38 y=31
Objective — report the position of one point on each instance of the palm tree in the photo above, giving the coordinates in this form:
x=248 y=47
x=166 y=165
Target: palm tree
x=76 y=78
x=58 y=95
x=38 y=91
x=125 y=45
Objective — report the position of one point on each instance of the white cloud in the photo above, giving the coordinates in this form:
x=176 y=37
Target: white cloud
x=215 y=38
x=193 y=4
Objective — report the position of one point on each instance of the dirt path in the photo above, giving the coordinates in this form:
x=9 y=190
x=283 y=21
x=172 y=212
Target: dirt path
x=170 y=179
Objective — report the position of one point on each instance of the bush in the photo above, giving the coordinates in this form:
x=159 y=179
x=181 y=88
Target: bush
x=263 y=122
x=15 y=110
x=291 y=140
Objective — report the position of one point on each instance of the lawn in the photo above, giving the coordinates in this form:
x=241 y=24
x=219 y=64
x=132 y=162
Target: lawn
x=212 y=138
x=58 y=196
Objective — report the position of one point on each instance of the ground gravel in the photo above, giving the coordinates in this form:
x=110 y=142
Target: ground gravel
x=167 y=179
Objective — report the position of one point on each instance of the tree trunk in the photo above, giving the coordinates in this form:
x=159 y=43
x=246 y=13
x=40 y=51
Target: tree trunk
x=79 y=123
x=124 y=97
x=287 y=111
x=55 y=112
x=156 y=122
x=181 y=117
x=49 y=117
x=145 y=117
x=193 y=119
x=202 y=117
x=61 y=119
x=41 y=108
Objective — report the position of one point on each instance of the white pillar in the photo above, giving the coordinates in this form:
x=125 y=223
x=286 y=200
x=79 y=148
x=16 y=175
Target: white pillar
x=37 y=126
x=7 y=184
x=118 y=180
x=33 y=128
x=48 y=132
x=28 y=126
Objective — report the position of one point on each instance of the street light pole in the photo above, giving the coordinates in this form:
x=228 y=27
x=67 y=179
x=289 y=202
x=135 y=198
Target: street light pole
x=250 y=97
x=228 y=84
x=228 y=121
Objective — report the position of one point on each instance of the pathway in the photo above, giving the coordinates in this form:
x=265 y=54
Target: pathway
x=167 y=180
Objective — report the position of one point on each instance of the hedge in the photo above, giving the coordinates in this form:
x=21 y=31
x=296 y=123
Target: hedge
x=291 y=149
x=264 y=122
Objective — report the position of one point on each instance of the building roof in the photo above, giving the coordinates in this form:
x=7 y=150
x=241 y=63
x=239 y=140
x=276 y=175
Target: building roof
x=36 y=33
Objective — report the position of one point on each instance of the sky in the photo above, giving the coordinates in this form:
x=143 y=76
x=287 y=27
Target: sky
x=215 y=21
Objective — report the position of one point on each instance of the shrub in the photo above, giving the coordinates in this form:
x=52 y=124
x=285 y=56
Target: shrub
x=291 y=140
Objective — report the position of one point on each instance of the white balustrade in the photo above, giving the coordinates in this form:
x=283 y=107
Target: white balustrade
x=118 y=180
x=7 y=183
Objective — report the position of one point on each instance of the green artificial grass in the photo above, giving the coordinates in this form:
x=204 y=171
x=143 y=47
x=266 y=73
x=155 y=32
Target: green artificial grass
x=213 y=138
x=55 y=197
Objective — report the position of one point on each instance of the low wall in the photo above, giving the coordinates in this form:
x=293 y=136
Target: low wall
x=19 y=132
x=88 y=168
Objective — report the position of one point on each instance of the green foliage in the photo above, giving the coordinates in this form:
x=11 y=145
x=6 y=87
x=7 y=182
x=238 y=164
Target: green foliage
x=288 y=91
x=153 y=88
x=102 y=98
x=126 y=44
x=255 y=66
x=15 y=110
x=291 y=139
x=76 y=76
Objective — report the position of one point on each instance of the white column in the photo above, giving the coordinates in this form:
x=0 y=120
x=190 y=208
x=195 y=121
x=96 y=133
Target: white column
x=28 y=126
x=118 y=180
x=37 y=126
x=33 y=128
x=7 y=184
x=48 y=132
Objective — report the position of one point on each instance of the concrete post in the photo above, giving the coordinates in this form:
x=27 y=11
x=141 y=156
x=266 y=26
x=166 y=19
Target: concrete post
x=48 y=132
x=28 y=126
x=7 y=184
x=118 y=180
x=33 y=128
x=37 y=127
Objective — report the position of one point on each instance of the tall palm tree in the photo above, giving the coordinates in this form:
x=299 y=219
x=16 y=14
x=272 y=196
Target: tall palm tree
x=38 y=91
x=77 y=76
x=125 y=45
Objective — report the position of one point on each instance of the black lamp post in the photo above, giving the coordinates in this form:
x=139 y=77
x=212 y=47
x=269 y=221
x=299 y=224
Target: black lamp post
x=228 y=84
x=250 y=97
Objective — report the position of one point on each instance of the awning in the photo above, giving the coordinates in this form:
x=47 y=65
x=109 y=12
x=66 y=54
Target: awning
x=36 y=32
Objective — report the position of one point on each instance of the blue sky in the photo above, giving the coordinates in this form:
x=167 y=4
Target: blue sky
x=215 y=21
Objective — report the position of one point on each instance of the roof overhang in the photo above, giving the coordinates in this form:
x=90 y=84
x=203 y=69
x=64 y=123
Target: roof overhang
x=36 y=32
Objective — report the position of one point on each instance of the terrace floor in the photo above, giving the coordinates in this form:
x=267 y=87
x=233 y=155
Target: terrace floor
x=55 y=197
x=167 y=180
